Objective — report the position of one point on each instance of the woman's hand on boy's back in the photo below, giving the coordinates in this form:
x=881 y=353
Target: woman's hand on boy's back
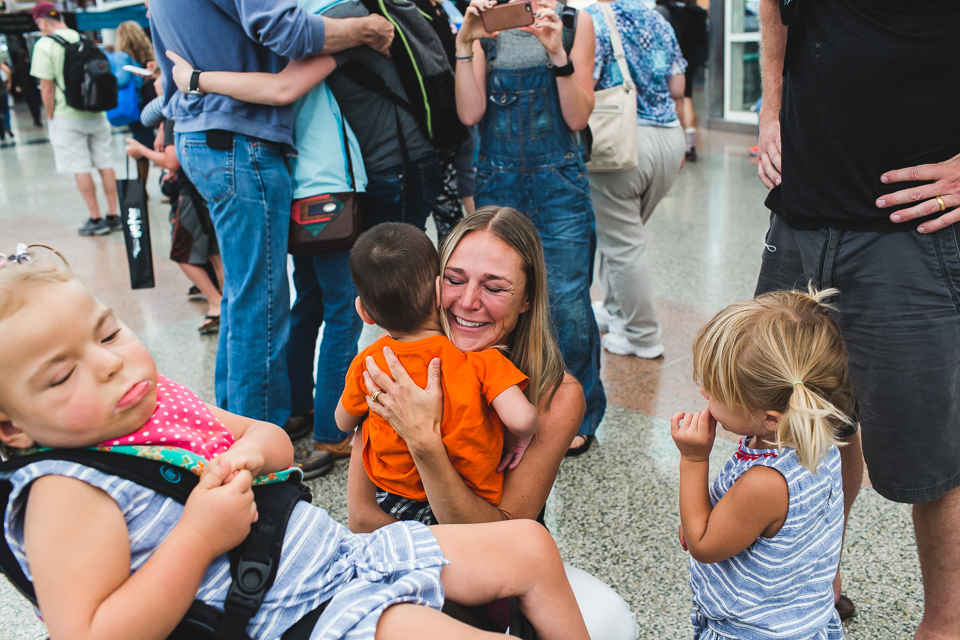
x=694 y=433
x=221 y=509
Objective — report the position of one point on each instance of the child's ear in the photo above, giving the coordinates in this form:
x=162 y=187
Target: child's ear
x=438 y=293
x=771 y=420
x=363 y=312
x=12 y=436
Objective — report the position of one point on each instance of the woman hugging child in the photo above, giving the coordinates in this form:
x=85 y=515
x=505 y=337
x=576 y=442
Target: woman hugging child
x=397 y=272
x=111 y=559
x=765 y=539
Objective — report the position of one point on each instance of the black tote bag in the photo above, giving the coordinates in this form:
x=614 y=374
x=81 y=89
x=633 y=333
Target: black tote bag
x=136 y=230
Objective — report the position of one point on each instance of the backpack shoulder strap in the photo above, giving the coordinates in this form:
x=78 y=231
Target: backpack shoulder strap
x=568 y=17
x=253 y=565
x=63 y=43
x=361 y=74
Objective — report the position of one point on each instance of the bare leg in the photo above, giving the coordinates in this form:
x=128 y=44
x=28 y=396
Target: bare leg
x=109 y=179
x=217 y=264
x=468 y=205
x=851 y=470
x=199 y=277
x=143 y=169
x=938 y=544
x=689 y=116
x=404 y=621
x=517 y=558
x=88 y=191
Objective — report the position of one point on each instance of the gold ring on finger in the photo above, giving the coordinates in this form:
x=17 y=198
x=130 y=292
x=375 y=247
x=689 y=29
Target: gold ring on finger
x=376 y=394
x=943 y=207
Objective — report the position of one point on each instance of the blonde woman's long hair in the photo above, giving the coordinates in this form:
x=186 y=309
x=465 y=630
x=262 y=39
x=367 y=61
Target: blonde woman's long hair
x=780 y=352
x=132 y=39
x=530 y=346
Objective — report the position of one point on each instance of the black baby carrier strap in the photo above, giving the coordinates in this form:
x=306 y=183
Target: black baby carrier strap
x=253 y=564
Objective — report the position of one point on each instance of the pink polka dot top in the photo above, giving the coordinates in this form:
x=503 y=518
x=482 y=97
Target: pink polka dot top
x=181 y=420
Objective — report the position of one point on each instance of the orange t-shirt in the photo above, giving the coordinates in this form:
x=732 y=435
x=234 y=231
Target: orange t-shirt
x=471 y=430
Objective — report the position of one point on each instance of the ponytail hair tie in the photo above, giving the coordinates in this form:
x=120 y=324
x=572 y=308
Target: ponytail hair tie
x=796 y=383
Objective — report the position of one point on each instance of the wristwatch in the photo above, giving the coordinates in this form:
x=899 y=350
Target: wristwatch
x=194 y=87
x=564 y=71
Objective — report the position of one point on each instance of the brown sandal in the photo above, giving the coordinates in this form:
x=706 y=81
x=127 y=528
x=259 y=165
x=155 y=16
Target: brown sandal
x=573 y=452
x=211 y=324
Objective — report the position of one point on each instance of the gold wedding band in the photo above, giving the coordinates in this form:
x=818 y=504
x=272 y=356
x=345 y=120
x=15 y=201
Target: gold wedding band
x=376 y=394
x=943 y=207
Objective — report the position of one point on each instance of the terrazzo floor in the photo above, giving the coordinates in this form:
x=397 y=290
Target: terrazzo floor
x=614 y=511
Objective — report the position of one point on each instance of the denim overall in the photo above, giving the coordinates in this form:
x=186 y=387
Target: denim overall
x=530 y=160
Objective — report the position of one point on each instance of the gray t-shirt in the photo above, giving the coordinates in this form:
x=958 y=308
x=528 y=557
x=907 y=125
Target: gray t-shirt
x=370 y=115
x=519 y=50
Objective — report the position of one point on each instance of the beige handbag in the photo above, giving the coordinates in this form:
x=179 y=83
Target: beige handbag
x=614 y=118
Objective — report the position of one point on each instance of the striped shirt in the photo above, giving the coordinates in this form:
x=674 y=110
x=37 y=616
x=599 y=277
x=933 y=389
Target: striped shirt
x=321 y=560
x=779 y=587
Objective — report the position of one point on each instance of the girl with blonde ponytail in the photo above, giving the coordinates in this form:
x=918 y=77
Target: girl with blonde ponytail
x=765 y=538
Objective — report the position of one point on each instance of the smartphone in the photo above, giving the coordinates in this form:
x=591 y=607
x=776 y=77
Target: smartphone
x=137 y=70
x=507 y=16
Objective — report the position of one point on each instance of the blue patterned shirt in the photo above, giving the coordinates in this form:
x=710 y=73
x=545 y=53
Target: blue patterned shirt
x=652 y=54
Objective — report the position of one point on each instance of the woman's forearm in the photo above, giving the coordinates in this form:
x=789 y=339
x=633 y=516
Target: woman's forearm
x=470 y=92
x=576 y=91
x=276 y=89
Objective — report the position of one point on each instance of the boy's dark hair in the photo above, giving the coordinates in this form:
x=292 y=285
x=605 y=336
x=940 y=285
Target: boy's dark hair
x=395 y=267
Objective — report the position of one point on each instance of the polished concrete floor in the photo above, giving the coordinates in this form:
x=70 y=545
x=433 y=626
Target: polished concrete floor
x=614 y=511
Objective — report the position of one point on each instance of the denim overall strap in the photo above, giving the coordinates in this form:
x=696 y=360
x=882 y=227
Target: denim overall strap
x=523 y=125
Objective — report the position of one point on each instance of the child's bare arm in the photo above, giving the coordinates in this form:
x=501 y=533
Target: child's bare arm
x=79 y=552
x=277 y=89
x=516 y=413
x=346 y=421
x=260 y=447
x=756 y=504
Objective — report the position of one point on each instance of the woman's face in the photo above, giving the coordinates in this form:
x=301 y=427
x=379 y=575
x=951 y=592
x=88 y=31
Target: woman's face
x=483 y=291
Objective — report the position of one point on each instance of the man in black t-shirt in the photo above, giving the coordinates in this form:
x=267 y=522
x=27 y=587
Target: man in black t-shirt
x=863 y=97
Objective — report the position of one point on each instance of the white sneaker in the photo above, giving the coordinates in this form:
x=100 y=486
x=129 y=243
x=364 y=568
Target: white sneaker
x=619 y=344
x=606 y=321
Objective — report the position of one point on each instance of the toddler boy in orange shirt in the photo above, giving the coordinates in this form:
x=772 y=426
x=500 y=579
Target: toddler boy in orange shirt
x=396 y=269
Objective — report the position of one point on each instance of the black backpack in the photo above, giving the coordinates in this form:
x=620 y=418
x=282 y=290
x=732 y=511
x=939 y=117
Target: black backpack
x=424 y=70
x=89 y=83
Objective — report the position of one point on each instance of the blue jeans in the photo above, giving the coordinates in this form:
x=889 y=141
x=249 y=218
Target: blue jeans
x=325 y=294
x=396 y=195
x=248 y=192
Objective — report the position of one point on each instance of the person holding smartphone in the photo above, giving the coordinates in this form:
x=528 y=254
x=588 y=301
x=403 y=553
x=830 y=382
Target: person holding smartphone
x=530 y=95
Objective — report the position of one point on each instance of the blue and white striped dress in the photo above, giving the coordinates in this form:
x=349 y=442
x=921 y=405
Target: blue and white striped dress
x=361 y=574
x=779 y=587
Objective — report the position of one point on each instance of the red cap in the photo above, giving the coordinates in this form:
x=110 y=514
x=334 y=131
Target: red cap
x=46 y=10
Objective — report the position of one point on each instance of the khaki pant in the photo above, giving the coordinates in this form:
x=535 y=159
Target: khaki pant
x=623 y=202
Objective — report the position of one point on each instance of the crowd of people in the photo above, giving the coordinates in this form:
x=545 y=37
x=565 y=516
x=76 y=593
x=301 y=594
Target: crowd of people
x=488 y=373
